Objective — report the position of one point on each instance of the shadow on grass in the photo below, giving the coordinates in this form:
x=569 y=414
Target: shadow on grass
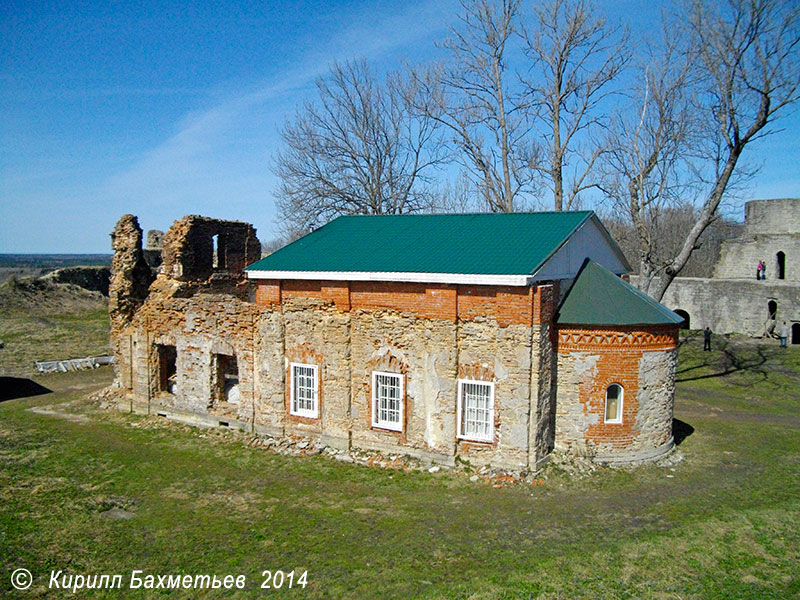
x=12 y=388
x=728 y=358
x=680 y=431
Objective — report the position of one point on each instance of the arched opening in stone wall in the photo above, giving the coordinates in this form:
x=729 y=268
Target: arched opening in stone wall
x=780 y=259
x=772 y=310
x=796 y=333
x=685 y=316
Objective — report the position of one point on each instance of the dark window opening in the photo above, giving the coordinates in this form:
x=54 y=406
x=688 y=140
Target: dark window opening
x=685 y=316
x=167 y=369
x=227 y=380
x=796 y=333
x=772 y=310
x=781 y=260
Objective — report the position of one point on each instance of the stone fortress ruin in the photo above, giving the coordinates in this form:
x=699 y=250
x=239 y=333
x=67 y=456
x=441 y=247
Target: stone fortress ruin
x=492 y=339
x=733 y=300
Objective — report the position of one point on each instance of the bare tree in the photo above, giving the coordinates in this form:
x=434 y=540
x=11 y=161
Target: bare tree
x=473 y=97
x=647 y=163
x=459 y=196
x=744 y=57
x=736 y=73
x=575 y=60
x=357 y=150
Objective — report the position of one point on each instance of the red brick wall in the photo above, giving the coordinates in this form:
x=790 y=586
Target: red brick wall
x=337 y=292
x=268 y=293
x=426 y=300
x=619 y=350
x=508 y=305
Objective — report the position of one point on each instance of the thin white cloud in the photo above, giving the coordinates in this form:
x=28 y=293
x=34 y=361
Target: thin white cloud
x=204 y=164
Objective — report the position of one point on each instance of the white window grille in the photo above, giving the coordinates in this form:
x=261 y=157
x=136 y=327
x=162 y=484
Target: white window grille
x=304 y=400
x=387 y=400
x=476 y=410
x=613 y=408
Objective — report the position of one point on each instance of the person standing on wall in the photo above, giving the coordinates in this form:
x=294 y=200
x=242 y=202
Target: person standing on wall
x=707 y=339
x=783 y=333
x=759 y=269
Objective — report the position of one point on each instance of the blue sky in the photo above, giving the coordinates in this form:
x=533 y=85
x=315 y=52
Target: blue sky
x=165 y=109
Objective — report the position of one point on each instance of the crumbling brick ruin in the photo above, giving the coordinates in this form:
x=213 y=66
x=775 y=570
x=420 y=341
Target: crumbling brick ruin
x=206 y=344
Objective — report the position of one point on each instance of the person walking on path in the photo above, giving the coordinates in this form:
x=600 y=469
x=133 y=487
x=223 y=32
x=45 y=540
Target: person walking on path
x=783 y=333
x=707 y=339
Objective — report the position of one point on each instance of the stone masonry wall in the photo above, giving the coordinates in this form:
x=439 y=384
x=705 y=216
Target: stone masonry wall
x=733 y=306
x=432 y=335
x=739 y=257
x=642 y=361
x=775 y=216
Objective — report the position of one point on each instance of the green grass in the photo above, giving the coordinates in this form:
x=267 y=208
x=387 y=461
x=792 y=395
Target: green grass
x=723 y=523
x=30 y=337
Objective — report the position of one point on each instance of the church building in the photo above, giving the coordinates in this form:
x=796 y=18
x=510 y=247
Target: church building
x=486 y=338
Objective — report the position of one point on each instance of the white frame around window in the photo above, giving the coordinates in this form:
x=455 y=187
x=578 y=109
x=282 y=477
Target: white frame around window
x=620 y=400
x=310 y=393
x=377 y=409
x=484 y=433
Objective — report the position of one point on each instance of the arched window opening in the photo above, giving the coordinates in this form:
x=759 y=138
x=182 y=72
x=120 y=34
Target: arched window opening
x=780 y=258
x=685 y=315
x=613 y=408
x=772 y=310
x=796 y=333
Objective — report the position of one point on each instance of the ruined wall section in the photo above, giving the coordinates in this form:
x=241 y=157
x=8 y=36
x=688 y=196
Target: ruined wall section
x=127 y=289
x=642 y=361
x=196 y=248
x=201 y=329
x=198 y=312
x=130 y=275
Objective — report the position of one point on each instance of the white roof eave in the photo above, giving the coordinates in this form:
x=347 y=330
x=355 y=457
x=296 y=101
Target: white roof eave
x=521 y=280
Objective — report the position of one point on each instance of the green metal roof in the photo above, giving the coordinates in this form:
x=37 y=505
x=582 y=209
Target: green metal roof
x=491 y=244
x=598 y=297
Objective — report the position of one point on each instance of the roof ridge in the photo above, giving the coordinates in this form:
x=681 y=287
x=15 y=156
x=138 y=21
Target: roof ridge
x=471 y=213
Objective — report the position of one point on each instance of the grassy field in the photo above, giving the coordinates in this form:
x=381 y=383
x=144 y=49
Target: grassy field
x=722 y=523
x=41 y=321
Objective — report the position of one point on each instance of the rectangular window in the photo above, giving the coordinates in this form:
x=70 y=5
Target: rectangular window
x=387 y=400
x=476 y=410
x=304 y=401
